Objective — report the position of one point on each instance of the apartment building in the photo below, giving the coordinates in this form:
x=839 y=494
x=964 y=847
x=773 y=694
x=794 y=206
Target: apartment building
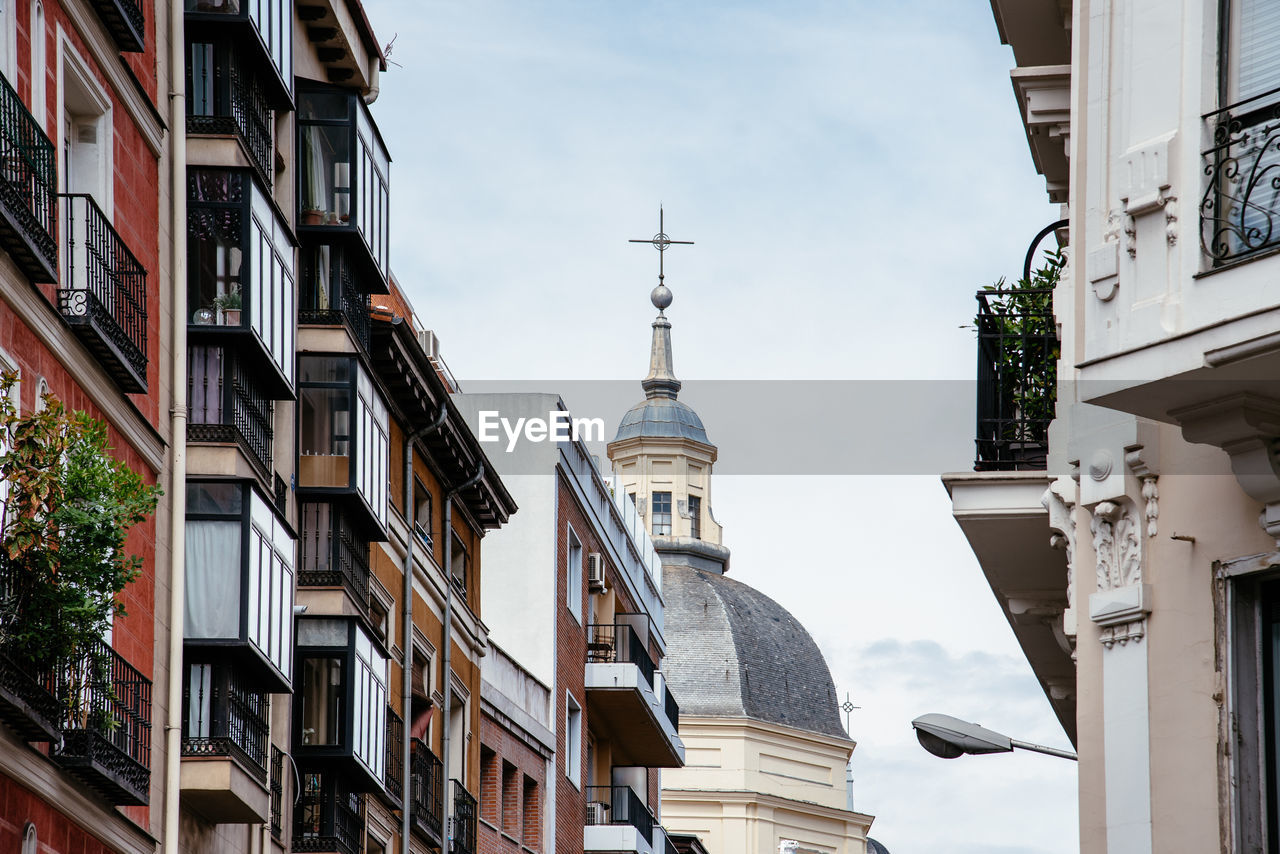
x=573 y=596
x=1130 y=532
x=85 y=219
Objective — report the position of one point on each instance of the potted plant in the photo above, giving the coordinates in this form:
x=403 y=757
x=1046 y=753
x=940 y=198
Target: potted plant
x=229 y=304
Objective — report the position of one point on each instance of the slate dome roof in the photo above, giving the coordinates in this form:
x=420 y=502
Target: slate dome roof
x=662 y=417
x=734 y=652
x=874 y=847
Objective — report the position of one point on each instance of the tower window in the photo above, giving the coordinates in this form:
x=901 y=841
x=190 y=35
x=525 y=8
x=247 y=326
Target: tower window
x=695 y=517
x=661 y=514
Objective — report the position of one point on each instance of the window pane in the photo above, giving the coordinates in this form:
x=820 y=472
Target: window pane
x=212 y=579
x=321 y=700
x=220 y=498
x=662 y=514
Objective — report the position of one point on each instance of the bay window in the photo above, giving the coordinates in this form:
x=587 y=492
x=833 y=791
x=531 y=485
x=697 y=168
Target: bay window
x=269 y=25
x=239 y=580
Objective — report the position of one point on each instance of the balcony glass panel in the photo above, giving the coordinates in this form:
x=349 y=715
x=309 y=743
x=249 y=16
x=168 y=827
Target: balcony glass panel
x=240 y=270
x=239 y=577
x=271 y=22
x=344 y=172
x=343 y=712
x=343 y=439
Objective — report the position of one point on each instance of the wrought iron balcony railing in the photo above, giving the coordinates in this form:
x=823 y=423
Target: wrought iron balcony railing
x=393 y=773
x=426 y=788
x=1017 y=378
x=125 y=21
x=223 y=717
x=227 y=97
x=618 y=805
x=333 y=553
x=1240 y=209
x=104 y=293
x=228 y=404
x=327 y=817
x=618 y=642
x=351 y=308
x=28 y=180
x=464 y=820
x=106 y=725
x=277 y=792
x=29 y=704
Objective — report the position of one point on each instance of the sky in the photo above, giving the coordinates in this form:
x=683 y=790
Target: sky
x=851 y=173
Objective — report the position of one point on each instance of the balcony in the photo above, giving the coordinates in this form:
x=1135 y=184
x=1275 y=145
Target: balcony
x=343 y=180
x=224 y=745
x=618 y=820
x=125 y=21
x=105 y=298
x=342 y=441
x=240 y=274
x=328 y=817
x=277 y=793
x=426 y=788
x=393 y=773
x=330 y=295
x=106 y=726
x=265 y=26
x=340 y=712
x=239 y=582
x=334 y=574
x=463 y=830
x=28 y=204
x=228 y=406
x=1017 y=378
x=29 y=703
x=225 y=97
x=623 y=696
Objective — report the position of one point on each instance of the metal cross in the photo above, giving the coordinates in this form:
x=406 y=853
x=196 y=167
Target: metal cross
x=660 y=242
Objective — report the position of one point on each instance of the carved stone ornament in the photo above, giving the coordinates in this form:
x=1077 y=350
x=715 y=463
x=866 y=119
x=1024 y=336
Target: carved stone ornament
x=1117 y=545
x=1060 y=500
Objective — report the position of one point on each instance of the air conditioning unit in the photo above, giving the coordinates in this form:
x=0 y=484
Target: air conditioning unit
x=597 y=812
x=595 y=573
x=430 y=343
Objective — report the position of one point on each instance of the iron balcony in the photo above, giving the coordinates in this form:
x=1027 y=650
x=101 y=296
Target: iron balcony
x=628 y=697
x=28 y=195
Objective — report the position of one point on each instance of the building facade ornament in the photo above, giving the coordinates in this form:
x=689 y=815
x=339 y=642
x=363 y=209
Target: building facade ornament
x=1121 y=605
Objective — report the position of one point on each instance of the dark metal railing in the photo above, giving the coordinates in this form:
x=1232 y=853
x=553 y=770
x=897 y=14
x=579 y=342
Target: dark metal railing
x=327 y=817
x=669 y=705
x=277 y=792
x=618 y=805
x=464 y=820
x=125 y=21
x=333 y=552
x=393 y=779
x=29 y=702
x=351 y=308
x=426 y=786
x=104 y=286
x=28 y=180
x=240 y=107
x=106 y=731
x=229 y=721
x=238 y=411
x=281 y=490
x=1017 y=378
x=1240 y=208
x=618 y=642
x=668 y=847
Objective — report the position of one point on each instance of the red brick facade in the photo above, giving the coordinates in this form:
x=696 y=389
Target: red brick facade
x=513 y=789
x=55 y=832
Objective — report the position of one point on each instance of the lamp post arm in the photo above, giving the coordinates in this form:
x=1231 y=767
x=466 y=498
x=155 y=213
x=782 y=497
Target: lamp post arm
x=1038 y=748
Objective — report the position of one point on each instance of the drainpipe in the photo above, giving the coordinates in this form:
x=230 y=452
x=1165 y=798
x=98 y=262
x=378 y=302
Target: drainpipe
x=447 y=533
x=177 y=428
x=406 y=646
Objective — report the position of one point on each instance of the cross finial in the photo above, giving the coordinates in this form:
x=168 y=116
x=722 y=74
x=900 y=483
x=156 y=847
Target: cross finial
x=848 y=707
x=661 y=296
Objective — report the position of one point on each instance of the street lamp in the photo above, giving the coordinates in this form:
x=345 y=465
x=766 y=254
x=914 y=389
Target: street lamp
x=948 y=737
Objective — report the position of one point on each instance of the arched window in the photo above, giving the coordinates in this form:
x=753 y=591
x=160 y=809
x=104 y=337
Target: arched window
x=29 y=841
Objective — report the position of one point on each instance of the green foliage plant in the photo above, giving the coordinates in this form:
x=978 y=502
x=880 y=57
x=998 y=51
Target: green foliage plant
x=63 y=524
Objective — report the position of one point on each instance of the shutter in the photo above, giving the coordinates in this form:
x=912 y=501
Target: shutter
x=1257 y=56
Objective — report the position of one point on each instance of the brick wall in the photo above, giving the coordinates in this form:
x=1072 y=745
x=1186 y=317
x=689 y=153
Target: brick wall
x=512 y=792
x=56 y=833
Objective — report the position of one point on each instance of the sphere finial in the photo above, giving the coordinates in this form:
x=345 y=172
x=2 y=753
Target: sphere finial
x=661 y=297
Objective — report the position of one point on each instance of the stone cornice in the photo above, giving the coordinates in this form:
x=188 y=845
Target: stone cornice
x=690 y=724
x=743 y=796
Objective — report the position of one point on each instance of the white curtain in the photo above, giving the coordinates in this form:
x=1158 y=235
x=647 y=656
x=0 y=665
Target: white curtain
x=213 y=579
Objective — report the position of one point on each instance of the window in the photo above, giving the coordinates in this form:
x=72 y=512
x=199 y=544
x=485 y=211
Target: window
x=226 y=96
x=84 y=133
x=272 y=21
x=8 y=365
x=39 y=68
x=489 y=792
x=228 y=403
x=573 y=576
x=695 y=517
x=510 y=800
x=422 y=514
x=1253 y=65
x=573 y=740
x=531 y=812
x=661 y=523
x=240 y=271
x=239 y=577
x=30 y=842
x=457 y=736
x=458 y=565
x=1254 y=635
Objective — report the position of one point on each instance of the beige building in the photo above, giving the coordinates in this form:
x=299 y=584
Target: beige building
x=765 y=752
x=1132 y=541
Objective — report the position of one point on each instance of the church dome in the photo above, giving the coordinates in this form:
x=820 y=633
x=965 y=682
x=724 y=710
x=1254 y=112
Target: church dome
x=734 y=652
x=662 y=417
x=874 y=847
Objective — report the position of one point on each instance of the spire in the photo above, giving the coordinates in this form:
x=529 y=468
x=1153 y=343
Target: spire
x=661 y=381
